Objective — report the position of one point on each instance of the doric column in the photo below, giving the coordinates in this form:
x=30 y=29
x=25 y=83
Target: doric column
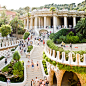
x=27 y=23
x=31 y=24
x=44 y=22
x=54 y=23
x=35 y=22
x=74 y=21
x=39 y=22
x=24 y=22
x=65 y=21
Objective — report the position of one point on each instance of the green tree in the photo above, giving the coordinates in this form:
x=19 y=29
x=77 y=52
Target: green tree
x=81 y=26
x=16 y=23
x=4 y=19
x=18 y=69
x=53 y=9
x=26 y=35
x=33 y=8
x=5 y=30
x=27 y=9
x=16 y=56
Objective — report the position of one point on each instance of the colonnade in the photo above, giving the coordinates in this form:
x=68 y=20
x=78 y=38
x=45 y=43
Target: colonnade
x=35 y=22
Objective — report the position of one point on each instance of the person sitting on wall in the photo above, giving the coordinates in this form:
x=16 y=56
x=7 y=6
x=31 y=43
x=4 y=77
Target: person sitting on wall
x=62 y=43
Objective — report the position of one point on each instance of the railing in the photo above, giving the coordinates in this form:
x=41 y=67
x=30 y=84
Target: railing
x=9 y=44
x=55 y=56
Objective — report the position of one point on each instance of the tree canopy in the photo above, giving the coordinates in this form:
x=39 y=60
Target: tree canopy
x=16 y=23
x=5 y=30
x=3 y=18
x=81 y=26
x=16 y=56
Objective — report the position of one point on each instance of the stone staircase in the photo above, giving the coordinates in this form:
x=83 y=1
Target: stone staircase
x=2 y=64
x=32 y=74
x=37 y=53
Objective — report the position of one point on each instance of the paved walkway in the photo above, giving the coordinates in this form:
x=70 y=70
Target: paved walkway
x=75 y=47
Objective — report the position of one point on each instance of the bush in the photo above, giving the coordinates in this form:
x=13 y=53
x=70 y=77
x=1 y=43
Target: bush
x=60 y=33
x=5 y=69
x=26 y=35
x=71 y=34
x=63 y=38
x=79 y=35
x=43 y=61
x=54 y=63
x=83 y=40
x=44 y=55
x=12 y=49
x=2 y=57
x=30 y=48
x=72 y=39
x=46 y=58
x=3 y=78
x=43 y=52
x=51 y=36
x=59 y=41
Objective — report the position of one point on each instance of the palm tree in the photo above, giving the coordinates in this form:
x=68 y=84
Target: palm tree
x=16 y=23
x=53 y=9
x=81 y=26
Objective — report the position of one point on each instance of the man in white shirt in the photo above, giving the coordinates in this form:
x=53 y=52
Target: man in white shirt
x=36 y=80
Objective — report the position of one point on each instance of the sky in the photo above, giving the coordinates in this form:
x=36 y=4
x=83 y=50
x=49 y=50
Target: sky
x=15 y=4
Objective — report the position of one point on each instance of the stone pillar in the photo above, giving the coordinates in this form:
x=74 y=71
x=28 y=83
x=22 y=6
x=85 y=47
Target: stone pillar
x=24 y=22
x=31 y=24
x=27 y=23
x=35 y=22
x=74 y=21
x=54 y=23
x=44 y=22
x=65 y=21
x=39 y=22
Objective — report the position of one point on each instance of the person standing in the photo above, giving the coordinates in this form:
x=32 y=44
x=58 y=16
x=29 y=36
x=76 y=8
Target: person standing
x=46 y=82
x=28 y=38
x=71 y=46
x=32 y=81
x=32 y=65
x=8 y=82
x=36 y=81
x=37 y=65
x=5 y=61
x=43 y=42
x=28 y=63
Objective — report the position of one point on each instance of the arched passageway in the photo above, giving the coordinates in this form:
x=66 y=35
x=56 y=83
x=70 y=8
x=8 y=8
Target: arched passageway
x=54 y=80
x=70 y=79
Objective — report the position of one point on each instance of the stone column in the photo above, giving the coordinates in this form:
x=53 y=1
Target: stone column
x=44 y=22
x=31 y=24
x=24 y=22
x=35 y=22
x=74 y=21
x=39 y=22
x=27 y=23
x=54 y=23
x=65 y=21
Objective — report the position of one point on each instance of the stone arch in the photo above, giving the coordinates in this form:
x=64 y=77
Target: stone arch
x=43 y=31
x=61 y=74
x=51 y=75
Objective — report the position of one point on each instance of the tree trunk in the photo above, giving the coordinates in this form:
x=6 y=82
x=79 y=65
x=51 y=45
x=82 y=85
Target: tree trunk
x=16 y=33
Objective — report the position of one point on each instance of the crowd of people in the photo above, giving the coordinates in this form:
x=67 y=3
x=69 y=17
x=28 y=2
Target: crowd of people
x=39 y=82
